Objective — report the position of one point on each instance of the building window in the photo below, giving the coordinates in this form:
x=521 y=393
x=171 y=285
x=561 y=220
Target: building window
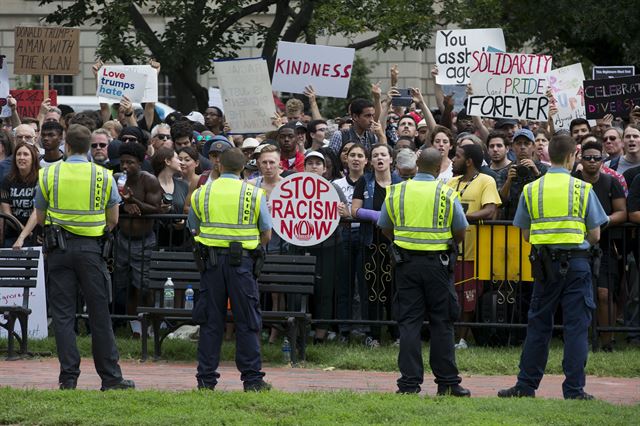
x=63 y=84
x=165 y=91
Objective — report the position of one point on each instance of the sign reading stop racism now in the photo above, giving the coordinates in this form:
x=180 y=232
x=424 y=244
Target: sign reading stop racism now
x=304 y=207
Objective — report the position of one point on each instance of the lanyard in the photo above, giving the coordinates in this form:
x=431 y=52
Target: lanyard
x=466 y=186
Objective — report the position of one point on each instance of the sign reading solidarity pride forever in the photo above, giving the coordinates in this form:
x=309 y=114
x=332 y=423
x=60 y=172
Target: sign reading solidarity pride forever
x=304 y=208
x=47 y=50
x=509 y=85
x=326 y=68
x=115 y=83
x=454 y=49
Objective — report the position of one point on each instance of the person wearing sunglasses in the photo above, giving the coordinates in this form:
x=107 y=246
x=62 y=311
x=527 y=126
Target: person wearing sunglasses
x=161 y=137
x=100 y=139
x=611 y=195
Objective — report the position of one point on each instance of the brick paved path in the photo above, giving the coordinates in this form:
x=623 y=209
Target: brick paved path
x=43 y=374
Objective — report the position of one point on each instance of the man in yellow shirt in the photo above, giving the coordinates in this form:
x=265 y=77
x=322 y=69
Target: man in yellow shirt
x=480 y=199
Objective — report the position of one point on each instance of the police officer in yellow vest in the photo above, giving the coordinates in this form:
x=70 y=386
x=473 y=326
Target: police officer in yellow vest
x=77 y=201
x=424 y=218
x=561 y=217
x=231 y=223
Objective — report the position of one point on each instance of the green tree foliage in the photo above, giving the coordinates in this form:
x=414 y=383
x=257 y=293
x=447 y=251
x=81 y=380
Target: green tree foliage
x=196 y=31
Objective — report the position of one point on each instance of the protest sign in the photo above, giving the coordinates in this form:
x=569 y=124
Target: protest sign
x=566 y=85
x=304 y=208
x=37 y=326
x=454 y=49
x=509 y=85
x=326 y=68
x=215 y=98
x=599 y=71
x=616 y=96
x=150 y=87
x=29 y=101
x=47 y=51
x=115 y=84
x=246 y=94
x=5 y=111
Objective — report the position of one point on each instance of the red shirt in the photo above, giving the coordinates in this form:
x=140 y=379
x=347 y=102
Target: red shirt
x=298 y=164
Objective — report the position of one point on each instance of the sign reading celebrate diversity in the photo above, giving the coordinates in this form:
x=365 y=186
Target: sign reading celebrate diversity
x=114 y=83
x=246 y=94
x=304 y=208
x=454 y=49
x=326 y=68
x=509 y=85
x=566 y=85
x=47 y=50
x=616 y=96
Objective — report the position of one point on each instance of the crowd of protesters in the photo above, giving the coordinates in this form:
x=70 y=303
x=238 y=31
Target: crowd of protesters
x=374 y=145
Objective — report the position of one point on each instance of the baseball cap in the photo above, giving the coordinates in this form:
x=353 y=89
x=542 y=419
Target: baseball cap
x=217 y=144
x=505 y=122
x=524 y=133
x=314 y=154
x=250 y=143
x=196 y=117
x=422 y=124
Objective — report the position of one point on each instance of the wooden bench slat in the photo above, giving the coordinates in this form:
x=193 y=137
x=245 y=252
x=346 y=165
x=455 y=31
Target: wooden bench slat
x=171 y=255
x=19 y=254
x=288 y=259
x=282 y=279
x=286 y=289
x=175 y=275
x=18 y=263
x=18 y=283
x=280 y=267
x=173 y=265
x=15 y=273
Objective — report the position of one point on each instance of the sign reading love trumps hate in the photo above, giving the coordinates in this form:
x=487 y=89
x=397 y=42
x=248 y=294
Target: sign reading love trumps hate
x=304 y=208
x=616 y=96
x=454 y=49
x=509 y=85
x=46 y=51
x=115 y=83
x=150 y=86
x=327 y=69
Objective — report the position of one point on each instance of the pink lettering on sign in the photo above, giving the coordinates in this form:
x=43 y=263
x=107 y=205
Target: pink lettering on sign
x=304 y=208
x=498 y=63
x=291 y=67
x=113 y=74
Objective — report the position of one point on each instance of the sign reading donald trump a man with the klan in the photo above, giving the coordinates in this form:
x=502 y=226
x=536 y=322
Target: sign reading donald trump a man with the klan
x=305 y=209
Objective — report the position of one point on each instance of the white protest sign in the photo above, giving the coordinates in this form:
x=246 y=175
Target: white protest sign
x=151 y=85
x=5 y=111
x=327 y=69
x=509 y=85
x=304 y=208
x=215 y=98
x=37 y=302
x=454 y=49
x=566 y=85
x=246 y=94
x=115 y=84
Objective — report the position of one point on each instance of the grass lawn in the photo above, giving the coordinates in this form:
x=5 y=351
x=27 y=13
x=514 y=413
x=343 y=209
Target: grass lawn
x=624 y=362
x=194 y=407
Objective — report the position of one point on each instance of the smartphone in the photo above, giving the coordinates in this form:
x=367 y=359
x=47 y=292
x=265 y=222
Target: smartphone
x=404 y=99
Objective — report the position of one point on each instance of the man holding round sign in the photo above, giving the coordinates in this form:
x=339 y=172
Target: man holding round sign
x=306 y=211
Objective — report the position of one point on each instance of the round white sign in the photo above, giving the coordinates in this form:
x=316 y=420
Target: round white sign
x=304 y=208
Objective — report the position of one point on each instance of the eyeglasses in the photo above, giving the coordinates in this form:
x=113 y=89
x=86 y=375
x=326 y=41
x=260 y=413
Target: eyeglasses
x=163 y=137
x=393 y=117
x=129 y=139
x=98 y=145
x=610 y=138
x=201 y=138
x=596 y=158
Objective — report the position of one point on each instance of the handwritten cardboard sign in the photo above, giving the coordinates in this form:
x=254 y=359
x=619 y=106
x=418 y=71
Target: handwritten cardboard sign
x=602 y=71
x=509 y=85
x=47 y=51
x=454 y=49
x=304 y=208
x=150 y=87
x=566 y=85
x=616 y=96
x=326 y=68
x=246 y=94
x=29 y=101
x=118 y=83
x=5 y=111
x=37 y=326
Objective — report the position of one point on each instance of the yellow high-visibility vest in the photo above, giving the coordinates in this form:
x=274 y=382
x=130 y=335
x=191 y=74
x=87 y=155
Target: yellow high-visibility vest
x=77 y=195
x=422 y=213
x=557 y=204
x=228 y=210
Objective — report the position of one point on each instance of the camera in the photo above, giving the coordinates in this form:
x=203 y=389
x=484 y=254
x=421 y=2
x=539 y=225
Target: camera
x=167 y=198
x=523 y=172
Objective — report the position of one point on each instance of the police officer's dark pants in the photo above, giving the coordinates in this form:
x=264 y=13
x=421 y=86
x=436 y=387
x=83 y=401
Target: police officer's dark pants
x=238 y=284
x=575 y=294
x=423 y=285
x=81 y=266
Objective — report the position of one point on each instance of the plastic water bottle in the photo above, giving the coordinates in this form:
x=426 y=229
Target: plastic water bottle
x=286 y=351
x=122 y=181
x=188 y=298
x=169 y=293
